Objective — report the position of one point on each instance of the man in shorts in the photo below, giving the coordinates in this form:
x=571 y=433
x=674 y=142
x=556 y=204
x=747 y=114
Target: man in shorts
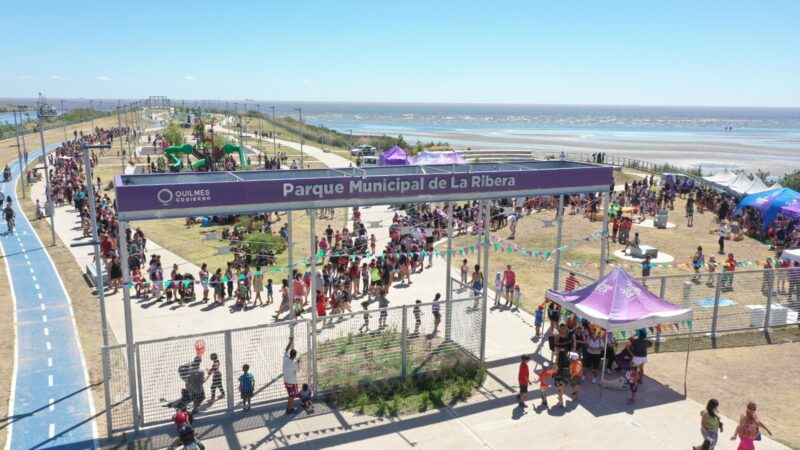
x=291 y=367
x=196 y=379
x=509 y=280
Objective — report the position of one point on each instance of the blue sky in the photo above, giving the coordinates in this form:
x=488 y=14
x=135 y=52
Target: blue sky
x=738 y=53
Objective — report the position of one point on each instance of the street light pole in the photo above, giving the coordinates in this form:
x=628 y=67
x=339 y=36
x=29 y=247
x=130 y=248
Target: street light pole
x=260 y=131
x=119 y=130
x=302 y=158
x=63 y=121
x=19 y=152
x=99 y=282
x=274 y=142
x=91 y=111
x=48 y=192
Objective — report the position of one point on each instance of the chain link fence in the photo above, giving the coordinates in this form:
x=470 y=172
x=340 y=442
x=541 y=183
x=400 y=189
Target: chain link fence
x=348 y=349
x=119 y=411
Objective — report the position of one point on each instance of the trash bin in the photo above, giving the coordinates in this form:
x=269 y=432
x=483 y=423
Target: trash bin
x=661 y=219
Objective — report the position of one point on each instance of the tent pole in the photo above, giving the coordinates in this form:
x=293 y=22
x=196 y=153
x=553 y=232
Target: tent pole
x=560 y=217
x=603 y=365
x=686 y=369
x=604 y=238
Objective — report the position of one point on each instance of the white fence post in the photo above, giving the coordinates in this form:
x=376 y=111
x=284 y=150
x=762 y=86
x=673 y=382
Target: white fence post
x=229 y=369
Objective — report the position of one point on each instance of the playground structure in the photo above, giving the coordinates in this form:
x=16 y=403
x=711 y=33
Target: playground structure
x=176 y=163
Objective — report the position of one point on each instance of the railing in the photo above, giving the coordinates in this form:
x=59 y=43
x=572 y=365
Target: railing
x=725 y=302
x=349 y=349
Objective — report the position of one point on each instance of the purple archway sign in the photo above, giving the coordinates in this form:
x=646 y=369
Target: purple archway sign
x=155 y=196
x=142 y=197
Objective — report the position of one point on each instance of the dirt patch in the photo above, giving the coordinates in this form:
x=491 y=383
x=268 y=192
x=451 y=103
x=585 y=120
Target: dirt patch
x=735 y=376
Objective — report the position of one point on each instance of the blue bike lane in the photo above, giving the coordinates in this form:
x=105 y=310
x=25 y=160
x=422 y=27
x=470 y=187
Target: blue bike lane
x=50 y=405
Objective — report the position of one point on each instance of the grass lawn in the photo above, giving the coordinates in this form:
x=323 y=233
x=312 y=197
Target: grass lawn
x=735 y=376
x=191 y=243
x=535 y=275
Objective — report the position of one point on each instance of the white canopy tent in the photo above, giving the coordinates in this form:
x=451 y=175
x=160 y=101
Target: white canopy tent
x=724 y=176
x=791 y=255
x=775 y=186
x=756 y=187
x=738 y=184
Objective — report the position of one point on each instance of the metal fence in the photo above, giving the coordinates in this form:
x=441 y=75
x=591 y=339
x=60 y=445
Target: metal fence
x=347 y=349
x=726 y=301
x=119 y=413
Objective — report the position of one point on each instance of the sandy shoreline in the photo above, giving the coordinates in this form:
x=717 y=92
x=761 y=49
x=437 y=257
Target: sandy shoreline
x=777 y=154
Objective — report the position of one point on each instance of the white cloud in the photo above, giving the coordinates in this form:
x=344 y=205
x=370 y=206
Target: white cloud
x=189 y=78
x=26 y=77
x=306 y=82
x=57 y=77
x=103 y=78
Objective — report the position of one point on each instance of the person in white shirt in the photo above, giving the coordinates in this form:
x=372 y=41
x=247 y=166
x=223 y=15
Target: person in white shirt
x=291 y=367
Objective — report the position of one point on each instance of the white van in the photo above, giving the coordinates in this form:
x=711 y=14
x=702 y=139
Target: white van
x=367 y=161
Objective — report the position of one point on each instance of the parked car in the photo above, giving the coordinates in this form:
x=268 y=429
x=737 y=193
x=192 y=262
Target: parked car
x=363 y=150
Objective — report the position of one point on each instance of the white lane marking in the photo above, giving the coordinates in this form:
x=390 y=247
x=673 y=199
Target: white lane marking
x=49 y=362
x=37 y=287
x=47 y=331
x=52 y=403
x=29 y=263
x=42 y=305
x=44 y=318
x=48 y=346
x=26 y=256
x=52 y=430
x=31 y=269
x=50 y=380
x=40 y=295
x=34 y=277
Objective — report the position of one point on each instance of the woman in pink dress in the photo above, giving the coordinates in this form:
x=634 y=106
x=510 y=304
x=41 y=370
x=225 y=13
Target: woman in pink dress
x=748 y=428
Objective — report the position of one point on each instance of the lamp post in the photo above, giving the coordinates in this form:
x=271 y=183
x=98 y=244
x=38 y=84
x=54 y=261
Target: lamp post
x=19 y=151
x=64 y=121
x=119 y=129
x=46 y=111
x=274 y=142
x=300 y=110
x=260 y=131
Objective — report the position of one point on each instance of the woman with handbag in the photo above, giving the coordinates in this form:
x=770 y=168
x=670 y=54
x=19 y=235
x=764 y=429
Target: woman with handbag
x=749 y=428
x=710 y=426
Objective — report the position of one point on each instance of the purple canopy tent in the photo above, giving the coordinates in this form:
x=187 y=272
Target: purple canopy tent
x=791 y=211
x=427 y=157
x=618 y=301
x=769 y=203
x=395 y=156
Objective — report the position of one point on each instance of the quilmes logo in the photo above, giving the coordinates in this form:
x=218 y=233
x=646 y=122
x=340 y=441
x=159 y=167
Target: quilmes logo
x=168 y=196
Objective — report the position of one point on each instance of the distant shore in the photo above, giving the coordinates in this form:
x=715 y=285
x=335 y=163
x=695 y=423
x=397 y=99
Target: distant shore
x=775 y=153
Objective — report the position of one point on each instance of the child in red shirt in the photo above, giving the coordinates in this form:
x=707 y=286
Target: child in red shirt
x=524 y=380
x=321 y=312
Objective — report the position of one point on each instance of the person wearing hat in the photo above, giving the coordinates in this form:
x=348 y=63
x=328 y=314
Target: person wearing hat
x=524 y=379
x=575 y=373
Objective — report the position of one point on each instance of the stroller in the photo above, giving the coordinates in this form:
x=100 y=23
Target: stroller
x=186 y=290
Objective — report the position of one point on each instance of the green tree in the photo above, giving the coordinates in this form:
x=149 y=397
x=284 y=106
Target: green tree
x=791 y=180
x=174 y=134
